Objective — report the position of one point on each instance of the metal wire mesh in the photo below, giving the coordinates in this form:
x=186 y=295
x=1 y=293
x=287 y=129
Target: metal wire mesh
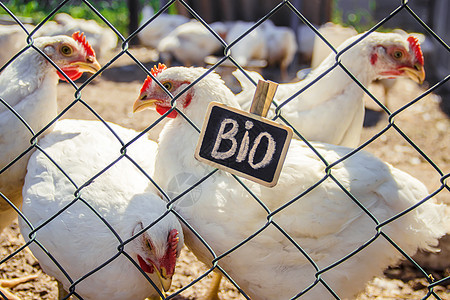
x=378 y=225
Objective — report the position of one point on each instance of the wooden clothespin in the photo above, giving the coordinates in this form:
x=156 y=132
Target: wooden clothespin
x=265 y=91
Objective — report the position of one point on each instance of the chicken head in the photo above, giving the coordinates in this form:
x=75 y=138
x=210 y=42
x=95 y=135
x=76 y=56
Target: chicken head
x=158 y=256
x=72 y=55
x=399 y=58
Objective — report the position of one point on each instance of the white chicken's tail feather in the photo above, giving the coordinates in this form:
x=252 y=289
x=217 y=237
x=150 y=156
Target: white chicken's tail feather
x=422 y=228
x=435 y=224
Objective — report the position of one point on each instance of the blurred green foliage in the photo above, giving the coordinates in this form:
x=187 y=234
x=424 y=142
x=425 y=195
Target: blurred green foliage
x=115 y=11
x=360 y=19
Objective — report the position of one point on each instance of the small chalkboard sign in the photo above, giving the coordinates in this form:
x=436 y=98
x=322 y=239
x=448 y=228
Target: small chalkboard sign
x=243 y=144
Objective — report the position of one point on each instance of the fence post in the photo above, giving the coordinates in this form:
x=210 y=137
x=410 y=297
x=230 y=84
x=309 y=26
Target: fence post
x=133 y=9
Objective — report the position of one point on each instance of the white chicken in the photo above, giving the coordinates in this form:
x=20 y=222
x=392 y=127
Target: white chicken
x=189 y=44
x=28 y=88
x=158 y=28
x=336 y=34
x=101 y=38
x=79 y=239
x=281 y=46
x=307 y=203
x=328 y=105
x=252 y=46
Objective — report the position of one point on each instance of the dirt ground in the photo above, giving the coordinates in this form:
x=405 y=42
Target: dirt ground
x=112 y=95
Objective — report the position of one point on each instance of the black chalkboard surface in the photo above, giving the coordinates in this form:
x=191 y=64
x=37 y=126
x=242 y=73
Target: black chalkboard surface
x=243 y=144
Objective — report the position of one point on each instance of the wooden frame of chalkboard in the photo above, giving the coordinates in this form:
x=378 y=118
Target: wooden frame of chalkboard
x=243 y=144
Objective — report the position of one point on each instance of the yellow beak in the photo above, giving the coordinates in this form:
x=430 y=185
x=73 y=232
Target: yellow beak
x=141 y=104
x=417 y=73
x=165 y=280
x=91 y=67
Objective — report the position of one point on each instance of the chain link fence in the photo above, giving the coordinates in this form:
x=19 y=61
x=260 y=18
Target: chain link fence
x=403 y=7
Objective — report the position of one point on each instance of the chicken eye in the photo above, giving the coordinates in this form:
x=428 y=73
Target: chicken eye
x=149 y=245
x=167 y=85
x=398 y=54
x=66 y=50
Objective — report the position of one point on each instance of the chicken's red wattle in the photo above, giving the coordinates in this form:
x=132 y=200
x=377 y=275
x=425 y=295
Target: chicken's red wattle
x=162 y=110
x=147 y=268
x=71 y=73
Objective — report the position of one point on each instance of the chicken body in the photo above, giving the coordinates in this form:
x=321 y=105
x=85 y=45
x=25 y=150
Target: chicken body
x=253 y=46
x=21 y=93
x=281 y=46
x=28 y=88
x=77 y=238
x=189 y=43
x=325 y=222
x=158 y=28
x=28 y=85
x=332 y=109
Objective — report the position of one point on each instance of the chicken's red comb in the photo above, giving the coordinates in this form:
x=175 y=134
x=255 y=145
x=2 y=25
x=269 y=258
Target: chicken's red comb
x=155 y=71
x=414 y=44
x=81 y=38
x=146 y=84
